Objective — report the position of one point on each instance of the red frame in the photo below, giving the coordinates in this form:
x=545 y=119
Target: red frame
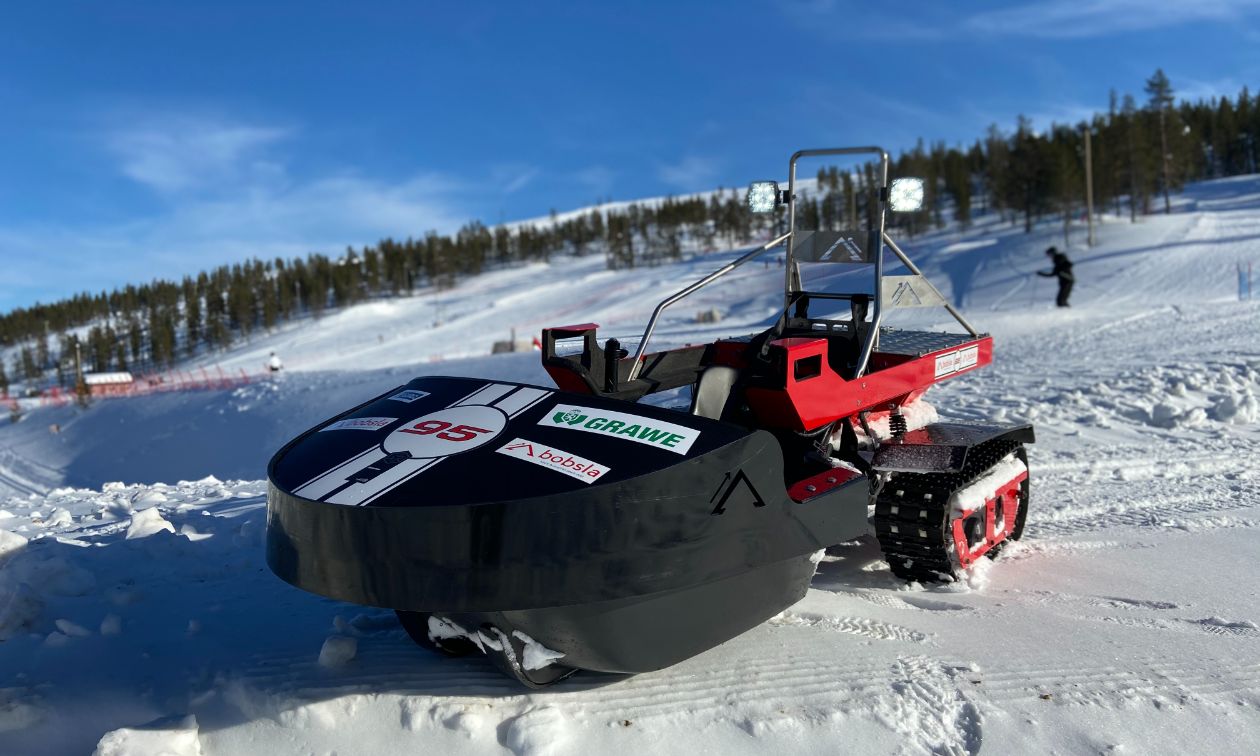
x=810 y=403
x=1009 y=491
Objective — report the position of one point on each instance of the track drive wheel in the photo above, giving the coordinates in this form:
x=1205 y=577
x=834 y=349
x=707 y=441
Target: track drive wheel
x=920 y=537
x=417 y=626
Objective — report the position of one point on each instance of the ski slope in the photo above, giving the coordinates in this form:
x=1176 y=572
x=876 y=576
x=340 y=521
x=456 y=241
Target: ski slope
x=134 y=591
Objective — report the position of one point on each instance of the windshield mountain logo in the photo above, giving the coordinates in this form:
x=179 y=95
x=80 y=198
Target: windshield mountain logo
x=641 y=430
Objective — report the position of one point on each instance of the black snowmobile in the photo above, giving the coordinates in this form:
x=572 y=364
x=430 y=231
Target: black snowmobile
x=560 y=530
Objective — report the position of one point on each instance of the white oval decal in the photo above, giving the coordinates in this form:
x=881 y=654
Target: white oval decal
x=450 y=431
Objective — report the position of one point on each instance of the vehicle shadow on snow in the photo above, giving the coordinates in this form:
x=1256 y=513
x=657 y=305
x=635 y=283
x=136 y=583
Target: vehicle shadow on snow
x=856 y=564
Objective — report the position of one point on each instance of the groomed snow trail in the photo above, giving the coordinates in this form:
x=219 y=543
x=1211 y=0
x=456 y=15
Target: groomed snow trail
x=1126 y=621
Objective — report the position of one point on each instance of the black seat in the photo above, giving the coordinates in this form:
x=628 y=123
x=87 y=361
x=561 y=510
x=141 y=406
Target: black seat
x=844 y=337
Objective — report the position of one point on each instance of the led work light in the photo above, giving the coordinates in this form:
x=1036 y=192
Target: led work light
x=906 y=195
x=763 y=196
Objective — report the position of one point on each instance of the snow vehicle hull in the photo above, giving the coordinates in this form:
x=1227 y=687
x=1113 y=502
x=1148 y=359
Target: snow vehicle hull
x=666 y=553
x=580 y=529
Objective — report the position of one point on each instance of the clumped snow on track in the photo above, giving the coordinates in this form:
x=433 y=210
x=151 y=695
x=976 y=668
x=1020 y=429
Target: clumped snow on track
x=139 y=617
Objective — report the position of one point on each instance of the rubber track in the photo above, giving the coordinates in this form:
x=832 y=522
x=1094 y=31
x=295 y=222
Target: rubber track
x=917 y=551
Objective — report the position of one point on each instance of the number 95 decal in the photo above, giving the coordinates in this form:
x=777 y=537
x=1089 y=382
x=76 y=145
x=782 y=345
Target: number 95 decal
x=449 y=431
x=458 y=433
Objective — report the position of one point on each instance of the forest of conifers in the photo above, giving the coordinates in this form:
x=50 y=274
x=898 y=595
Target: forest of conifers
x=1141 y=151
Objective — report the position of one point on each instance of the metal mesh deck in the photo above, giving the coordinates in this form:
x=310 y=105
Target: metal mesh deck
x=918 y=343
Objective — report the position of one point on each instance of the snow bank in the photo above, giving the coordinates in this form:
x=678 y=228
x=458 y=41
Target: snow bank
x=11 y=544
x=1239 y=409
x=168 y=736
x=20 y=607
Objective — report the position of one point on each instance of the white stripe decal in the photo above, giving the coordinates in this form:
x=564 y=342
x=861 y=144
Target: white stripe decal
x=486 y=395
x=317 y=477
x=511 y=400
x=396 y=484
x=361 y=492
x=522 y=400
x=336 y=477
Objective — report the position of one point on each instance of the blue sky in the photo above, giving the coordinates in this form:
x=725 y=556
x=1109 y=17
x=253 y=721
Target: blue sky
x=142 y=139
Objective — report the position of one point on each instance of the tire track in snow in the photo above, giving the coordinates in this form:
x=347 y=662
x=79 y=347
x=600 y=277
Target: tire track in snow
x=925 y=700
x=1209 y=625
x=1216 y=679
x=869 y=628
x=1145 y=512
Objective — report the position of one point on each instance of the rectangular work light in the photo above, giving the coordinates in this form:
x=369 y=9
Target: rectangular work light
x=906 y=195
x=763 y=196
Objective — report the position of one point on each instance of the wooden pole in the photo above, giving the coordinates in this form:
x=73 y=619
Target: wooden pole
x=1163 y=142
x=1089 y=186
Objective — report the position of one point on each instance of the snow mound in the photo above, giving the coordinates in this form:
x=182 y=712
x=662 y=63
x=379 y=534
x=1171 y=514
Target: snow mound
x=337 y=651
x=148 y=522
x=11 y=544
x=19 y=608
x=539 y=732
x=169 y=736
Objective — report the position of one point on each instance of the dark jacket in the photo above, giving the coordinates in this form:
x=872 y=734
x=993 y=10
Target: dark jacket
x=1062 y=268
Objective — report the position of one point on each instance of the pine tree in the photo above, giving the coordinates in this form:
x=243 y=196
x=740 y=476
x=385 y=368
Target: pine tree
x=30 y=371
x=192 y=315
x=1161 y=94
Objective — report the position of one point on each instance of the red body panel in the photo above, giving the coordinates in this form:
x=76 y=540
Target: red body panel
x=812 y=394
x=821 y=483
x=567 y=380
x=822 y=396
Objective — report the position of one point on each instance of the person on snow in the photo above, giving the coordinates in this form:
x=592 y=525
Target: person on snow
x=1062 y=271
x=274 y=364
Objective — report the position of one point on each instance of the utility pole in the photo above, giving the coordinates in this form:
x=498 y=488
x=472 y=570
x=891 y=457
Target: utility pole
x=81 y=391
x=1163 y=143
x=1089 y=186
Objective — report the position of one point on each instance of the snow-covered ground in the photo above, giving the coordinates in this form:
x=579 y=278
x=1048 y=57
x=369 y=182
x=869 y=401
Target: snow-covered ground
x=1126 y=621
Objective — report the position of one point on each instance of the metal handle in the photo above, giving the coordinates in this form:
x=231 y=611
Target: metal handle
x=656 y=314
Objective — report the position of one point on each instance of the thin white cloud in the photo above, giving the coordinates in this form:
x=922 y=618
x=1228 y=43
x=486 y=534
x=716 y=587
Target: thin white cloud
x=227 y=195
x=180 y=152
x=1069 y=19
x=1052 y=19
x=510 y=179
x=690 y=174
x=325 y=215
x=597 y=177
x=1193 y=89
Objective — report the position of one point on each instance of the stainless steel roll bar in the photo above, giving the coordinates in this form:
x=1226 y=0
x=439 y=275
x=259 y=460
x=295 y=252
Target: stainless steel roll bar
x=792 y=274
x=656 y=314
x=792 y=284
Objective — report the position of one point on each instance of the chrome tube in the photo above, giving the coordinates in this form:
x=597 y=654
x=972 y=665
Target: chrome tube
x=877 y=317
x=656 y=314
x=792 y=282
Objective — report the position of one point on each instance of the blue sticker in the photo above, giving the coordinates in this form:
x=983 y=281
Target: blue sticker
x=408 y=396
